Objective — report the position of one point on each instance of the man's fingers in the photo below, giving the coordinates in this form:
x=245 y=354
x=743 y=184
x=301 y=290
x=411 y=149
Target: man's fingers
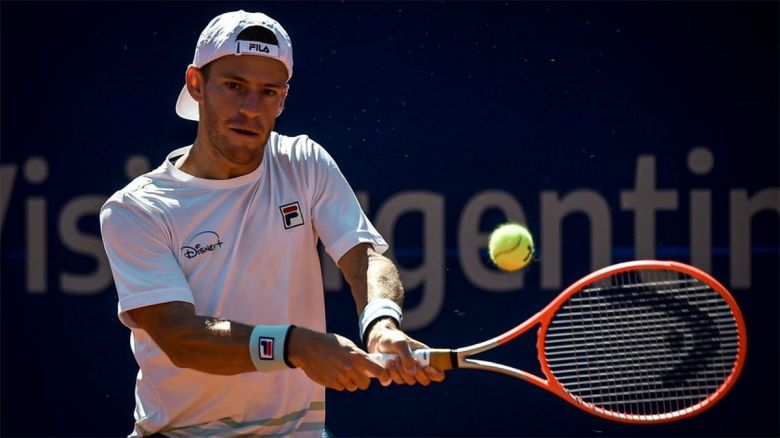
x=394 y=373
x=406 y=358
x=372 y=368
x=410 y=365
x=358 y=377
x=378 y=371
x=335 y=385
x=347 y=383
x=404 y=368
x=422 y=377
x=404 y=364
x=407 y=377
x=434 y=374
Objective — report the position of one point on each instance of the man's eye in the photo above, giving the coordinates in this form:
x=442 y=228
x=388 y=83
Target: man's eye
x=233 y=85
x=269 y=92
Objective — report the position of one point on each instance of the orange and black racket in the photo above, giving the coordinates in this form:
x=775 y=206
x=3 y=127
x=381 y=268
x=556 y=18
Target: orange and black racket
x=638 y=342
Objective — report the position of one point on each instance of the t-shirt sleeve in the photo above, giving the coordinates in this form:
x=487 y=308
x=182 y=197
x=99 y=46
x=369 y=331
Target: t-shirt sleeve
x=145 y=269
x=336 y=213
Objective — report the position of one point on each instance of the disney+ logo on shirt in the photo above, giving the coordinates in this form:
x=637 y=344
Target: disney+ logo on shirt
x=202 y=243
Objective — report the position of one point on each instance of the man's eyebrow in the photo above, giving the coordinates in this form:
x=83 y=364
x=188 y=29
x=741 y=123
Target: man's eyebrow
x=237 y=78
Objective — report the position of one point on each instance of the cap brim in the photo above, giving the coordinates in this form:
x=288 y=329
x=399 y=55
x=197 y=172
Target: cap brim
x=186 y=107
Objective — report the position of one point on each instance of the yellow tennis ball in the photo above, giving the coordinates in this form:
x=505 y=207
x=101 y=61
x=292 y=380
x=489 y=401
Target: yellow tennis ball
x=511 y=247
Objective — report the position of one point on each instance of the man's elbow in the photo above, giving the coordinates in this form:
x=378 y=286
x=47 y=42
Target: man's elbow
x=179 y=346
x=178 y=340
x=354 y=265
x=375 y=257
x=173 y=327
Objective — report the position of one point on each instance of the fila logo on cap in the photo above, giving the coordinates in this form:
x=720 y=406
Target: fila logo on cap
x=256 y=47
x=259 y=47
x=291 y=215
x=266 y=348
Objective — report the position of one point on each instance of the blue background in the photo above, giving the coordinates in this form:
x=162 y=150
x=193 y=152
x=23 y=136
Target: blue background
x=450 y=98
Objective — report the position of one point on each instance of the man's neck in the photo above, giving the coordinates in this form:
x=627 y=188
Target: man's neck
x=206 y=162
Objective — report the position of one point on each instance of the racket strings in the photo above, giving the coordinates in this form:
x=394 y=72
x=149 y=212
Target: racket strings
x=643 y=343
x=649 y=393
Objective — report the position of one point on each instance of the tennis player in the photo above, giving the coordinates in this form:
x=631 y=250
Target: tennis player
x=214 y=256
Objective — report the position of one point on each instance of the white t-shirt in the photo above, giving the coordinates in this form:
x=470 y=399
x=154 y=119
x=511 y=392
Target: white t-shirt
x=243 y=249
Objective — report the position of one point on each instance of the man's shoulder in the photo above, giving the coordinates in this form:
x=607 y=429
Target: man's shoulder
x=296 y=148
x=146 y=192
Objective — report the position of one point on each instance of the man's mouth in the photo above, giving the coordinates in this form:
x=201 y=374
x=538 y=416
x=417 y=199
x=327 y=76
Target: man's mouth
x=244 y=131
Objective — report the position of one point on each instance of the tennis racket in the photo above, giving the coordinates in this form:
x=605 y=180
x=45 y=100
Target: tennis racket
x=637 y=342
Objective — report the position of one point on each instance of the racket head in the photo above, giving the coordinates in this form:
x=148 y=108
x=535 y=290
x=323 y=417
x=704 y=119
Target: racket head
x=643 y=342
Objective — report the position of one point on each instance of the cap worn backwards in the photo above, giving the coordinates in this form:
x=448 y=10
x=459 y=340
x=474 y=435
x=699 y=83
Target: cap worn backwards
x=237 y=33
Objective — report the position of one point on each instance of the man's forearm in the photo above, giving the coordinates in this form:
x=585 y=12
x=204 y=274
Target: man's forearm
x=217 y=346
x=207 y=344
x=370 y=276
x=211 y=345
x=383 y=280
x=374 y=280
x=383 y=284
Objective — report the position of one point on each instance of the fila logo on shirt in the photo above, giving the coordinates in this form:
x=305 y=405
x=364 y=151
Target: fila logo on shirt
x=266 y=349
x=204 y=242
x=291 y=215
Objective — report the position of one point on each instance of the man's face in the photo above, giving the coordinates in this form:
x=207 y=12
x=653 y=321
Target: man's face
x=240 y=99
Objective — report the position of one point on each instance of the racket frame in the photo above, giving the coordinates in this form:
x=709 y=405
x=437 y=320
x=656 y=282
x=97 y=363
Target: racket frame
x=443 y=359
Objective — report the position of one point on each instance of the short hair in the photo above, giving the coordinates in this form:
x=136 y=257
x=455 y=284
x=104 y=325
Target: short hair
x=206 y=70
x=259 y=34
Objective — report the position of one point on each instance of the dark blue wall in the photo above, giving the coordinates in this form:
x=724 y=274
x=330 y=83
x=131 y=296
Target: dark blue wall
x=455 y=103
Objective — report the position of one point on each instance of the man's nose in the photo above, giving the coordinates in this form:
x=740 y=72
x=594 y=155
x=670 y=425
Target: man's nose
x=251 y=105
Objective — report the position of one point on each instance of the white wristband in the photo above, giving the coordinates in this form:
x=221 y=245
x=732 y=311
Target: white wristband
x=268 y=347
x=376 y=309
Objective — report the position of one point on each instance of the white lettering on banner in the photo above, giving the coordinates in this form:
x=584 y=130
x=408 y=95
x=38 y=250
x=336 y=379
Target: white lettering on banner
x=86 y=244
x=428 y=277
x=700 y=162
x=743 y=209
x=595 y=207
x=644 y=200
x=36 y=171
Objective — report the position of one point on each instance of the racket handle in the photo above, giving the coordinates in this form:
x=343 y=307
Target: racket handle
x=422 y=356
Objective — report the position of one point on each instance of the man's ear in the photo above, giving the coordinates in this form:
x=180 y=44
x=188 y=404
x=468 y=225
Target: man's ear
x=195 y=83
x=284 y=97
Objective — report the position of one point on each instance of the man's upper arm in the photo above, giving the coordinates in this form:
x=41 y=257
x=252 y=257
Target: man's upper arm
x=164 y=322
x=354 y=263
x=370 y=275
x=336 y=213
x=145 y=269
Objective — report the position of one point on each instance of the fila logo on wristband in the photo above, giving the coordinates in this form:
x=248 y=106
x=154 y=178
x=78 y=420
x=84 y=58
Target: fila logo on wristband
x=266 y=350
x=267 y=345
x=291 y=215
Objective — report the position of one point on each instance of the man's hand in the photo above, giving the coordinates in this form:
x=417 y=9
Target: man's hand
x=333 y=361
x=371 y=275
x=385 y=337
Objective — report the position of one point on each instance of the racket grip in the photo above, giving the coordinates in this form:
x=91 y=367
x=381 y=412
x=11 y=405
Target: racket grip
x=422 y=356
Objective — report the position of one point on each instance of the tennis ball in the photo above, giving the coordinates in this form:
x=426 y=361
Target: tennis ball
x=511 y=246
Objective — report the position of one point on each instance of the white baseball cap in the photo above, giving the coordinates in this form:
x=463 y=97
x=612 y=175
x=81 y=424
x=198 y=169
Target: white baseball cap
x=237 y=33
